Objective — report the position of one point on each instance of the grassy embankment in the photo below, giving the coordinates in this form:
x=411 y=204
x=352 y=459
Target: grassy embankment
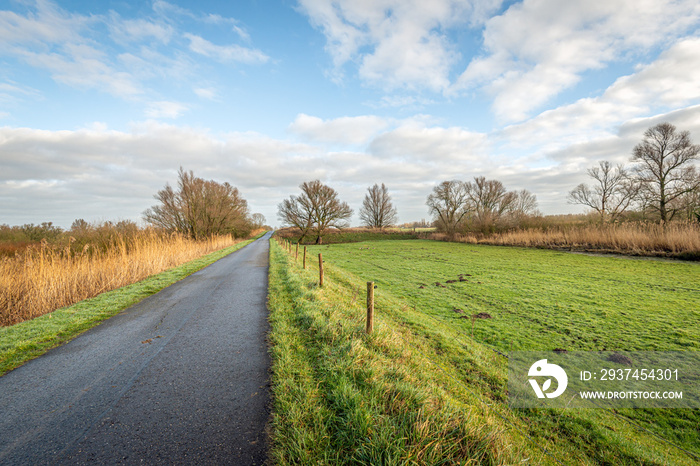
x=420 y=390
x=26 y=340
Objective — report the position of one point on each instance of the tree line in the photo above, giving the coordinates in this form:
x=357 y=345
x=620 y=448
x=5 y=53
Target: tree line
x=482 y=203
x=202 y=208
x=662 y=184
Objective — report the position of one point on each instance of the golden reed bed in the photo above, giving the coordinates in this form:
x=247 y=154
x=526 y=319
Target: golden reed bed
x=648 y=239
x=45 y=278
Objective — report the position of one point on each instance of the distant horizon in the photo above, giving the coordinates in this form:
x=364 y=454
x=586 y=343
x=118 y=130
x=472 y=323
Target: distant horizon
x=141 y=223
x=102 y=102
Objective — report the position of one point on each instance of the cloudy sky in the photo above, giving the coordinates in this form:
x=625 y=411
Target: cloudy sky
x=101 y=102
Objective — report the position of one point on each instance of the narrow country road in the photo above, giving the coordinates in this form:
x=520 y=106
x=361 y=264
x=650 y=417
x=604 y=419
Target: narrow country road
x=180 y=378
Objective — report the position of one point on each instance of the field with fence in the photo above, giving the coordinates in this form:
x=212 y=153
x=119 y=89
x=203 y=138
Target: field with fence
x=430 y=382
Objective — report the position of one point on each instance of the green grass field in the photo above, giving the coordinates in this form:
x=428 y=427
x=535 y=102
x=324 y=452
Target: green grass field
x=537 y=299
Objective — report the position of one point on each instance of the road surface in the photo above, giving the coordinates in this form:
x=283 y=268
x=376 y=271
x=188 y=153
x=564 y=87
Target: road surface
x=180 y=378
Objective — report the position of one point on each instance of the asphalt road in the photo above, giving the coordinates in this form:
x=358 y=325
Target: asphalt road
x=180 y=378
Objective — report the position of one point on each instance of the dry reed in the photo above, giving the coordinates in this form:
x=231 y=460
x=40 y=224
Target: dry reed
x=46 y=278
x=646 y=239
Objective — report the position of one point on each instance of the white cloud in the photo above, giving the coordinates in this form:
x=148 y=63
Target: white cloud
x=344 y=130
x=138 y=30
x=558 y=145
x=52 y=39
x=208 y=93
x=405 y=101
x=397 y=43
x=62 y=175
x=95 y=167
x=453 y=150
x=47 y=24
x=86 y=68
x=74 y=49
x=671 y=81
x=12 y=92
x=536 y=49
x=168 y=10
x=225 y=53
x=165 y=109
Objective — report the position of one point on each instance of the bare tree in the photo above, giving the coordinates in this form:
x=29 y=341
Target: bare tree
x=612 y=193
x=489 y=201
x=524 y=205
x=200 y=208
x=689 y=205
x=448 y=205
x=80 y=226
x=665 y=171
x=257 y=220
x=377 y=209
x=315 y=210
x=295 y=212
x=329 y=211
x=169 y=214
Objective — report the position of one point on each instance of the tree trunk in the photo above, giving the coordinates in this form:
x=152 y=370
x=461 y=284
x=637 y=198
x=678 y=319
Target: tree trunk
x=662 y=211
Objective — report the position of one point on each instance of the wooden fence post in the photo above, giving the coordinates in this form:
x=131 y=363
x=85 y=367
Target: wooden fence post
x=304 y=257
x=370 y=307
x=320 y=269
x=296 y=254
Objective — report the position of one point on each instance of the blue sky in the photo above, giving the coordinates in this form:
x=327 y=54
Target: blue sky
x=102 y=102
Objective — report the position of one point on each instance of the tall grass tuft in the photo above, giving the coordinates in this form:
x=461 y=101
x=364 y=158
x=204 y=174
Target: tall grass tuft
x=46 y=277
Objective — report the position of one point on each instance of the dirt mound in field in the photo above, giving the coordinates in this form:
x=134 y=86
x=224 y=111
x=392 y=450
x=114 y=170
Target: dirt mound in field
x=620 y=359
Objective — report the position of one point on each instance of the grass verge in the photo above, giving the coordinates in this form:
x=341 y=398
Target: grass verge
x=416 y=391
x=27 y=340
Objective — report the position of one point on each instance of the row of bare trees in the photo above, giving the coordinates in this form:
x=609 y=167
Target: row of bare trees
x=482 y=205
x=201 y=208
x=663 y=182
x=318 y=208
x=456 y=206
